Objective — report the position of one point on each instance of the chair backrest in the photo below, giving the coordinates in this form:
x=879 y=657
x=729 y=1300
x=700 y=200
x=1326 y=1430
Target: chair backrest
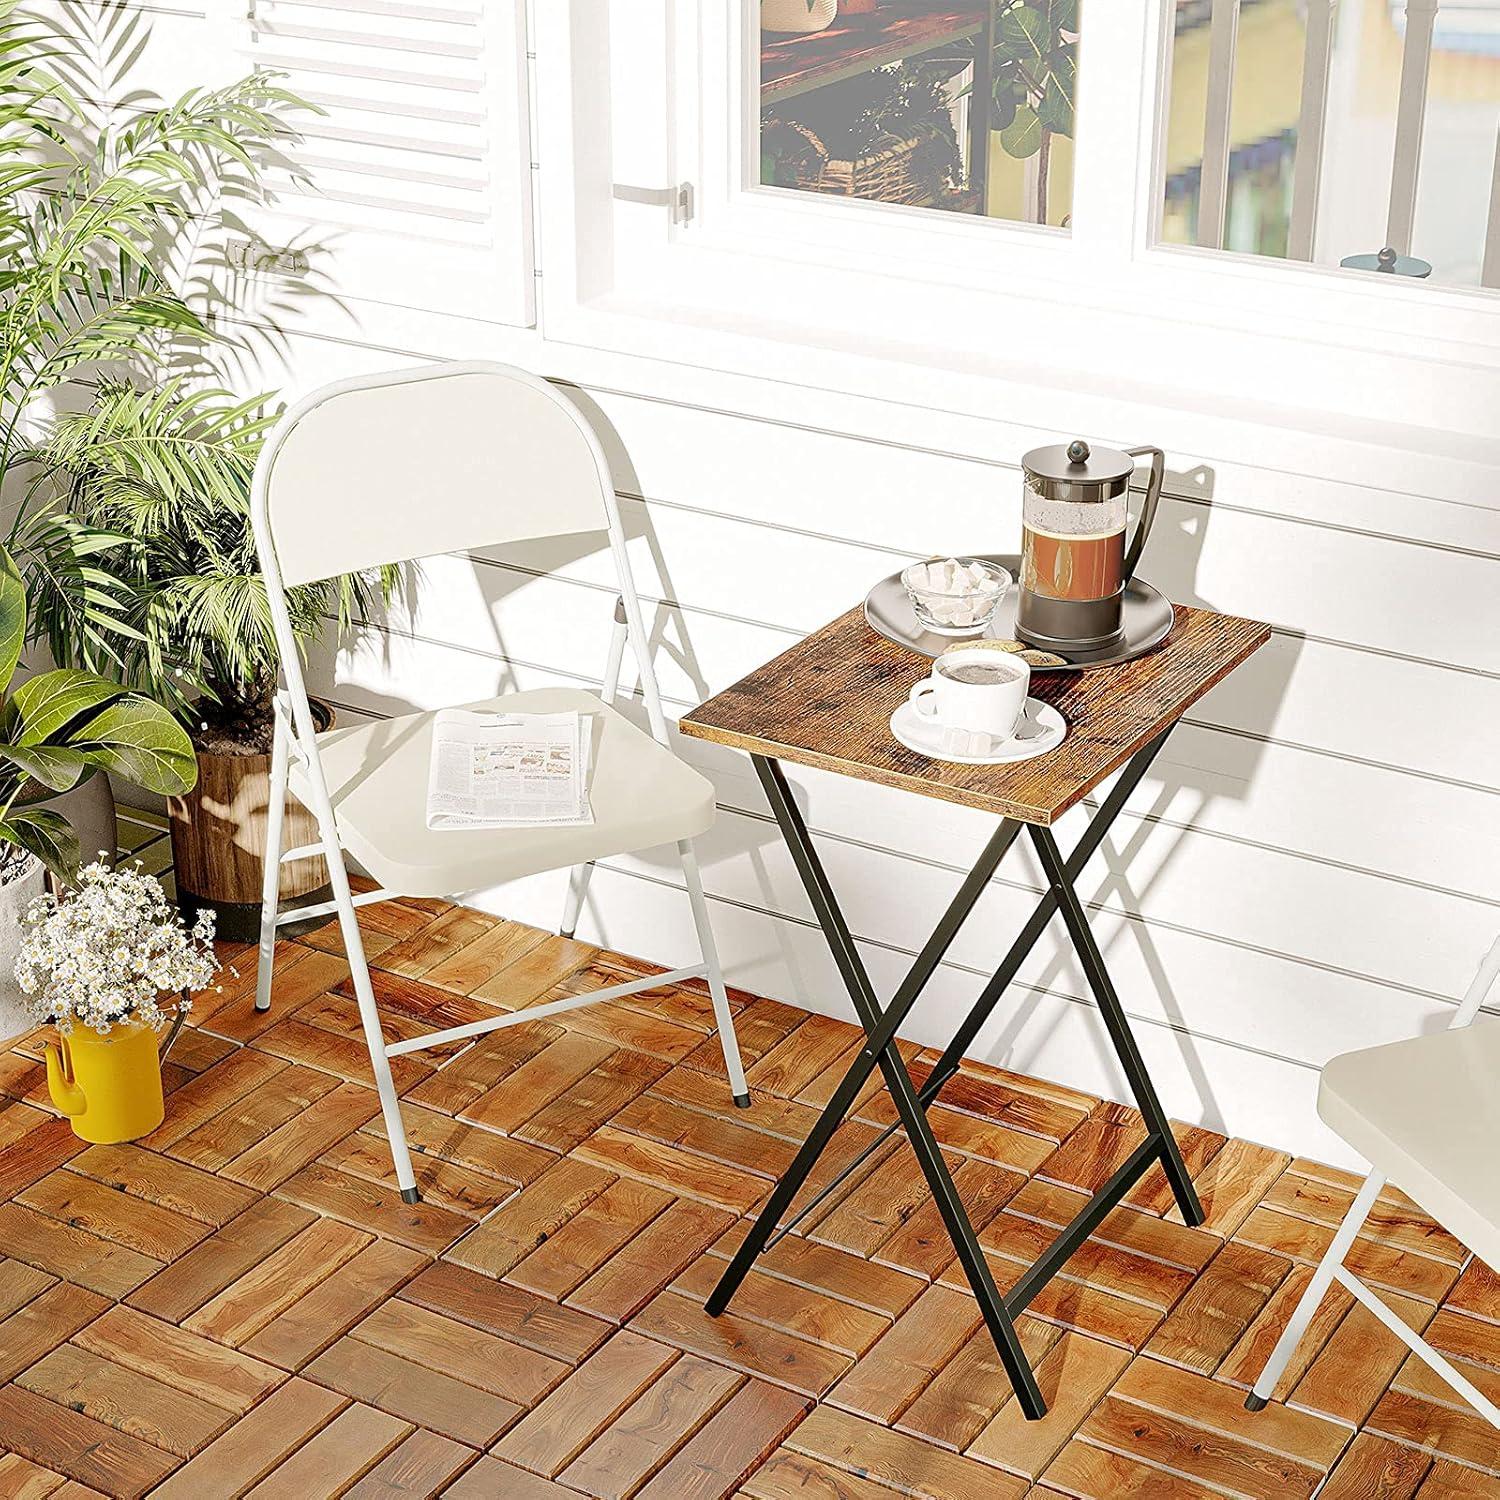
x=410 y=463
x=1483 y=982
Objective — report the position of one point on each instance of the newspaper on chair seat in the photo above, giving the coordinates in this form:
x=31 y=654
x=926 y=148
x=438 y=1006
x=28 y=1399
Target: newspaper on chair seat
x=498 y=770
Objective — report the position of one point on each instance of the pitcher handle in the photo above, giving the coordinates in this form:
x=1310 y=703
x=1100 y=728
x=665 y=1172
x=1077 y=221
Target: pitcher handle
x=1148 y=509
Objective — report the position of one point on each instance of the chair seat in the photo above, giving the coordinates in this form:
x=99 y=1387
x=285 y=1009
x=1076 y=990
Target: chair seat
x=641 y=794
x=1426 y=1112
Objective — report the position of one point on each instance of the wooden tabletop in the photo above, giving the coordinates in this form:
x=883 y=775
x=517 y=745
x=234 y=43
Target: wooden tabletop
x=898 y=29
x=827 y=702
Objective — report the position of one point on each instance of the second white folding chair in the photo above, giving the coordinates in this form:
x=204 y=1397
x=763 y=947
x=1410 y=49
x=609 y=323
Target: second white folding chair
x=1426 y=1114
x=389 y=468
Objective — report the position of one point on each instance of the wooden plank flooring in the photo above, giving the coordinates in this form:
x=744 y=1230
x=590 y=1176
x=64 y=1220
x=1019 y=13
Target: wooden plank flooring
x=241 y=1304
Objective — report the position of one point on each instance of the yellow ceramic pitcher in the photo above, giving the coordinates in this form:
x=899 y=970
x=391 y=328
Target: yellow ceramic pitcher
x=109 y=1086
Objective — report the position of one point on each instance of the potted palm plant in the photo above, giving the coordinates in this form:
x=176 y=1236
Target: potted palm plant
x=133 y=533
x=166 y=474
x=89 y=218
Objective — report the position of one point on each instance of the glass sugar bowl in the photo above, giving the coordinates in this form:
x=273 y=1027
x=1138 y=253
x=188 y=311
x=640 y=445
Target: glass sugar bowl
x=955 y=595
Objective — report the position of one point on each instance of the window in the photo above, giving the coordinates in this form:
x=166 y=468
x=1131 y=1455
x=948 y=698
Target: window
x=1314 y=131
x=967 y=108
x=667 y=231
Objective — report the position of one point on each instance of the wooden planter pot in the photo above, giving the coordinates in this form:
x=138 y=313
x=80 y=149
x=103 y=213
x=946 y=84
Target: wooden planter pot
x=219 y=843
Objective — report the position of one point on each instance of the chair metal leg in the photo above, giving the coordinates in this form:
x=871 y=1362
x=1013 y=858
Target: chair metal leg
x=369 y=1015
x=578 y=889
x=723 y=1016
x=1317 y=1289
x=270 y=892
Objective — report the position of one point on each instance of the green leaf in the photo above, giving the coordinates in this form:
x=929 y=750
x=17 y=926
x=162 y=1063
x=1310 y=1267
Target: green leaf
x=1024 y=30
x=46 y=703
x=1005 y=101
x=12 y=617
x=1023 y=137
x=139 y=740
x=46 y=834
x=1062 y=15
x=56 y=766
x=1056 y=108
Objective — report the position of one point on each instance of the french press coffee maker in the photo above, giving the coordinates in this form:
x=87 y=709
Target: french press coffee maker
x=1074 y=559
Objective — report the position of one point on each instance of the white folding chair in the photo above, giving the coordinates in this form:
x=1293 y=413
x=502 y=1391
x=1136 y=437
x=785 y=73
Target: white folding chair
x=388 y=468
x=1425 y=1114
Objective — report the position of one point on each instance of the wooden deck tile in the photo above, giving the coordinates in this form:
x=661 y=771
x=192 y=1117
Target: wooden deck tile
x=489 y=1478
x=787 y=1475
x=511 y=1312
x=232 y=1251
x=375 y=1207
x=479 y=1359
x=414 y=1392
x=43 y=1323
x=272 y=1285
x=1083 y=1472
x=136 y=1404
x=101 y=1265
x=801 y=1310
x=509 y=1235
x=291 y=1146
x=652 y=1428
x=538 y=971
x=649 y=1260
x=1213 y=1314
x=86 y=1204
x=1073 y=1375
x=895 y=1371
x=733 y=1339
x=573 y=1415
x=586 y=1242
x=728 y=1446
x=332 y=1307
x=348 y=1447
x=20 y=1479
x=167 y=1184
x=424 y=1464
x=178 y=1358
x=1374 y=1468
x=74 y=1443
x=866 y=1448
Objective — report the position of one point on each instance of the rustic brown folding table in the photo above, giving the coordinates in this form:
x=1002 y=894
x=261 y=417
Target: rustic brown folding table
x=827 y=703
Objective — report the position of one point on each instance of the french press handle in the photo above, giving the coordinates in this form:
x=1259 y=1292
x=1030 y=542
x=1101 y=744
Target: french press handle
x=1148 y=509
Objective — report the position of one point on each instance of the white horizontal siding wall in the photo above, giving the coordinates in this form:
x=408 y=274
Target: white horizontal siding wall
x=1311 y=866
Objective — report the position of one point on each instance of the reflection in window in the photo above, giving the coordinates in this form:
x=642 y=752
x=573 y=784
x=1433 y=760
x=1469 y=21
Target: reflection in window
x=1360 y=133
x=966 y=108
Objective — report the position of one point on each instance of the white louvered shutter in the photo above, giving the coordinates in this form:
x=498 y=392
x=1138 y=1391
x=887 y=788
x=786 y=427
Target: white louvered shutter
x=419 y=191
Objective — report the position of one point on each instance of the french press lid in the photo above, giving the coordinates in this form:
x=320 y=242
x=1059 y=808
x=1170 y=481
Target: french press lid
x=1074 y=471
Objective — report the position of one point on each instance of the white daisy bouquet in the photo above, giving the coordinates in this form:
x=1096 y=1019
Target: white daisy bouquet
x=109 y=950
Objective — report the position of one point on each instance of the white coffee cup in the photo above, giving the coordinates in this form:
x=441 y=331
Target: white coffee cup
x=993 y=705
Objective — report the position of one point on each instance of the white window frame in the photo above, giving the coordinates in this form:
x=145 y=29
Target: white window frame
x=853 y=292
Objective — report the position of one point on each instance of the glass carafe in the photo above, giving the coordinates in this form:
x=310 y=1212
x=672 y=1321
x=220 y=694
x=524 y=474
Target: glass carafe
x=1075 y=562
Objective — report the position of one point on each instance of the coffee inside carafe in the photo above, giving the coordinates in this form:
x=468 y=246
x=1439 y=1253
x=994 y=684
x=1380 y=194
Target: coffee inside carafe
x=1073 y=552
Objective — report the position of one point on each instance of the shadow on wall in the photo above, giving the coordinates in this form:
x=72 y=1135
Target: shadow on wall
x=1176 y=797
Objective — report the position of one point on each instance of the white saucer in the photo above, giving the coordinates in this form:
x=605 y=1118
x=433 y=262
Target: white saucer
x=1042 y=725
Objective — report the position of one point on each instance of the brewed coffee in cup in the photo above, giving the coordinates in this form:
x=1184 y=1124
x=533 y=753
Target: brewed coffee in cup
x=974 y=688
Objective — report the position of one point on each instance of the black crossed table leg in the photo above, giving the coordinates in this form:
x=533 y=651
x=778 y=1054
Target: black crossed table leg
x=1000 y=1312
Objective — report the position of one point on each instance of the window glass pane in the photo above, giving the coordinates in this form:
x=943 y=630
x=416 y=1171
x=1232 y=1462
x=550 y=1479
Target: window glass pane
x=1325 y=132
x=962 y=107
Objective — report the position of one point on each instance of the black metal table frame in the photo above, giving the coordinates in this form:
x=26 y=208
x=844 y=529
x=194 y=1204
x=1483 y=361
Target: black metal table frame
x=1000 y=1312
